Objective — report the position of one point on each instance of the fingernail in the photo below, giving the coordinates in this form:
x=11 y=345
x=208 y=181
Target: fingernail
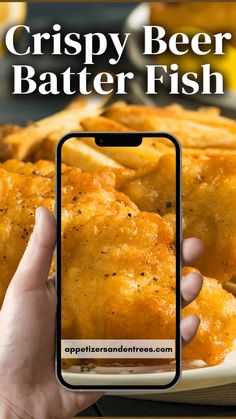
x=38 y=218
x=191 y=286
x=194 y=275
x=189 y=327
x=193 y=280
x=37 y=214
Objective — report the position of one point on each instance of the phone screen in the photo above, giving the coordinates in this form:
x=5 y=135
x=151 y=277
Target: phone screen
x=118 y=261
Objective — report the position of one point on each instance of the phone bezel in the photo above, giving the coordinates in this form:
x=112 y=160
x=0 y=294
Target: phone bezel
x=112 y=137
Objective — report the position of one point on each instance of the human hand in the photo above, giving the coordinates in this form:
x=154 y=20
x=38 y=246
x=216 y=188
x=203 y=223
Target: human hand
x=28 y=385
x=191 y=286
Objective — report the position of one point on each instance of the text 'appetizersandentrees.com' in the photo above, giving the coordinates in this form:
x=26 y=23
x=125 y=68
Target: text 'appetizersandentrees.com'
x=116 y=348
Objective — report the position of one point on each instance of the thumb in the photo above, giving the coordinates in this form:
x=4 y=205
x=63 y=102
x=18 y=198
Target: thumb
x=34 y=266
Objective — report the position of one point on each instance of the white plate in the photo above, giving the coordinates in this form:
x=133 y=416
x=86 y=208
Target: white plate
x=140 y=17
x=194 y=377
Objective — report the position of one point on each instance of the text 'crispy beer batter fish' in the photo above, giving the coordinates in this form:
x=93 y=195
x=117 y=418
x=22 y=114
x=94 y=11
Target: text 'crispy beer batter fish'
x=132 y=299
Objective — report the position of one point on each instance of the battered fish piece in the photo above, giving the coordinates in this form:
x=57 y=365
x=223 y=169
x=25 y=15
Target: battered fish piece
x=118 y=263
x=115 y=298
x=216 y=309
x=43 y=168
x=209 y=204
x=20 y=195
x=102 y=270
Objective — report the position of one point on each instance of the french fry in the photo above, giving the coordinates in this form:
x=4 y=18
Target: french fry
x=75 y=153
x=24 y=142
x=233 y=279
x=162 y=145
x=206 y=116
x=196 y=152
x=7 y=129
x=119 y=103
x=230 y=287
x=132 y=157
x=93 y=102
x=191 y=134
x=102 y=124
x=208 y=152
x=46 y=151
x=210 y=110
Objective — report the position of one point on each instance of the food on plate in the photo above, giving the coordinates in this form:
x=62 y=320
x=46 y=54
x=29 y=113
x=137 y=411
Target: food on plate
x=132 y=299
x=208 y=204
x=119 y=206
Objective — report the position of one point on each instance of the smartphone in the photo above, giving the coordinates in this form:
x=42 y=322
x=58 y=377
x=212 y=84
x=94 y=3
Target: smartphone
x=118 y=212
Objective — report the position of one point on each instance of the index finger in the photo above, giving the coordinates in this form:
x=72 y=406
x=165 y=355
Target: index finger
x=35 y=264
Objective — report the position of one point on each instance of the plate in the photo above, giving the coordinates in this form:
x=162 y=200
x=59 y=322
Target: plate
x=140 y=17
x=194 y=376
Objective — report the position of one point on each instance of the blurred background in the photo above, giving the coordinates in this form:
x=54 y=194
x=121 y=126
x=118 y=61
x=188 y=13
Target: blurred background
x=115 y=17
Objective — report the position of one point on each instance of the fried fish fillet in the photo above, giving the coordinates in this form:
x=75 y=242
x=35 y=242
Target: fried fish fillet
x=209 y=204
x=118 y=263
x=212 y=308
x=115 y=298
x=43 y=168
x=21 y=194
